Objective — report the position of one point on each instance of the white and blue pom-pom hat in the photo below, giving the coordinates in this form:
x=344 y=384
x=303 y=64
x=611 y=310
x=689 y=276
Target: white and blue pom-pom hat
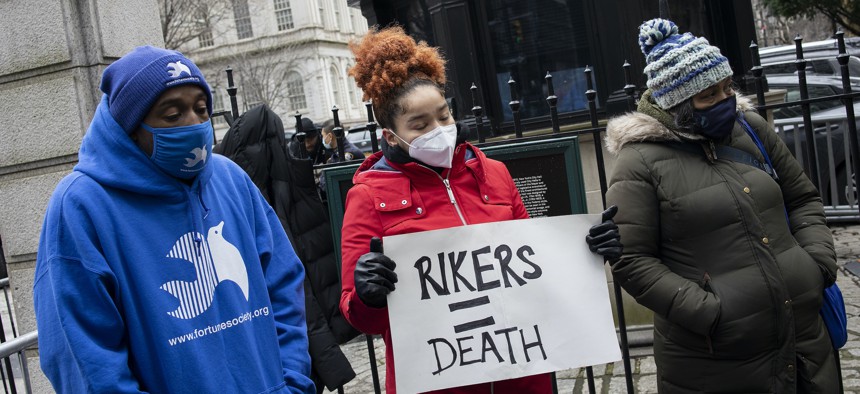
x=679 y=65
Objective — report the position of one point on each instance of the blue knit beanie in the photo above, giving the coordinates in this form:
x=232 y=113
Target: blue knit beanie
x=134 y=82
x=679 y=65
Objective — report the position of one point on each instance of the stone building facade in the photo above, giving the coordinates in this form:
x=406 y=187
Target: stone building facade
x=290 y=54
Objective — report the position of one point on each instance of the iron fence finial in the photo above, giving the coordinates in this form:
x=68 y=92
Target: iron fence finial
x=478 y=112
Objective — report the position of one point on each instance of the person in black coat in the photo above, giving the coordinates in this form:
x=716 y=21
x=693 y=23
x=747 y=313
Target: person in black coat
x=256 y=142
x=307 y=143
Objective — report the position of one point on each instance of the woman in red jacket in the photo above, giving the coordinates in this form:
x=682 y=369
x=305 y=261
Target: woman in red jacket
x=425 y=178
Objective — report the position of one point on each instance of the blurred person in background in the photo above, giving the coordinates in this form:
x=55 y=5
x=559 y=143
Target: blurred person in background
x=329 y=142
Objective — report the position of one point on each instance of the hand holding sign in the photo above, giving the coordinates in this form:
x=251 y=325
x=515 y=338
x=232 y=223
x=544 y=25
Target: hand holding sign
x=604 y=238
x=496 y=301
x=374 y=276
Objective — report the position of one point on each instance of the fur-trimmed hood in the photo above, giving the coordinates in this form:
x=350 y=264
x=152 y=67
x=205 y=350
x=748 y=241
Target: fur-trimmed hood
x=649 y=123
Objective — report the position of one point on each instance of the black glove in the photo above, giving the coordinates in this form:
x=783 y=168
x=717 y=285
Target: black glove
x=604 y=238
x=374 y=276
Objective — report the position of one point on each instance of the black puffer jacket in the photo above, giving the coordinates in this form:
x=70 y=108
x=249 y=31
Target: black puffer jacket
x=256 y=143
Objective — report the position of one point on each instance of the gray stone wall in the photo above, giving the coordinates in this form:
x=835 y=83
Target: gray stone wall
x=52 y=53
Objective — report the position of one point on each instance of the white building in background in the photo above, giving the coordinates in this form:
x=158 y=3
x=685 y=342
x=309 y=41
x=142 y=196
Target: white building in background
x=291 y=54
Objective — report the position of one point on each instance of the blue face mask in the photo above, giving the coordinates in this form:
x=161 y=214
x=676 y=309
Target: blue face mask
x=716 y=122
x=181 y=152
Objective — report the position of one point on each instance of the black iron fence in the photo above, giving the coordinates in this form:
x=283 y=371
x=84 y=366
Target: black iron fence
x=828 y=164
x=829 y=161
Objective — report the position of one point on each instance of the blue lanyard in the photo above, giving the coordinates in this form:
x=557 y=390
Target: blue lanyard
x=755 y=139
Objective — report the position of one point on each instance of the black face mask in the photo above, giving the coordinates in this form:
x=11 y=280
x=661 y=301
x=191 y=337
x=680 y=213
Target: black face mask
x=716 y=122
x=394 y=153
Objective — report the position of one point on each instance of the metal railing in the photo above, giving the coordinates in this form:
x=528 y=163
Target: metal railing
x=837 y=187
x=828 y=161
x=15 y=350
x=13 y=370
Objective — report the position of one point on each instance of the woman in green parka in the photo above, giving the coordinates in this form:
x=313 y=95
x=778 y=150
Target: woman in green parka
x=732 y=258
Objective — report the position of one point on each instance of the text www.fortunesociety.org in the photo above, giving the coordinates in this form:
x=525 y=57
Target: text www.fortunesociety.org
x=202 y=332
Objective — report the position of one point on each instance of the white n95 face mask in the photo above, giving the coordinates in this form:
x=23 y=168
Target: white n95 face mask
x=434 y=148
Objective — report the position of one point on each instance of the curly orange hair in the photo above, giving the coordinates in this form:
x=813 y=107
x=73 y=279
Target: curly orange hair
x=389 y=64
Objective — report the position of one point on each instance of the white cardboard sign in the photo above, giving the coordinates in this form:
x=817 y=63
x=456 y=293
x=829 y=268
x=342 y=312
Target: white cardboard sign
x=496 y=301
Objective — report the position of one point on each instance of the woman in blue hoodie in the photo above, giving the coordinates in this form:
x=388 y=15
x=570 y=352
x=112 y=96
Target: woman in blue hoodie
x=160 y=266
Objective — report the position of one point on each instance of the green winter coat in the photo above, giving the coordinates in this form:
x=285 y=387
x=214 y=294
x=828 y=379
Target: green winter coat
x=735 y=289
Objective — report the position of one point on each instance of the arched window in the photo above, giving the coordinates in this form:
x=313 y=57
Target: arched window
x=296 y=92
x=321 y=5
x=337 y=88
x=242 y=17
x=205 y=38
x=337 y=20
x=218 y=105
x=354 y=91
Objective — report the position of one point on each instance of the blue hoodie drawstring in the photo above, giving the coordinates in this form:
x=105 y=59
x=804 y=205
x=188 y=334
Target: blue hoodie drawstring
x=197 y=232
x=206 y=209
x=198 y=238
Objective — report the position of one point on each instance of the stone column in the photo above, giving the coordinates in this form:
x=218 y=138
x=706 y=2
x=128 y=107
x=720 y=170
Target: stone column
x=52 y=53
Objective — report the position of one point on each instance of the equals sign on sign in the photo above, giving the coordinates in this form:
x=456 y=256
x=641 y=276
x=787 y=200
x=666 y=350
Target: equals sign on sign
x=449 y=351
x=474 y=324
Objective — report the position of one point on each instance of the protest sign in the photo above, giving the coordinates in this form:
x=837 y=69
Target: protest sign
x=496 y=301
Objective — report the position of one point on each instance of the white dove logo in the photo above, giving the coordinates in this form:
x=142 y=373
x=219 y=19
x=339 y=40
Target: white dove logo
x=215 y=261
x=199 y=155
x=177 y=68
